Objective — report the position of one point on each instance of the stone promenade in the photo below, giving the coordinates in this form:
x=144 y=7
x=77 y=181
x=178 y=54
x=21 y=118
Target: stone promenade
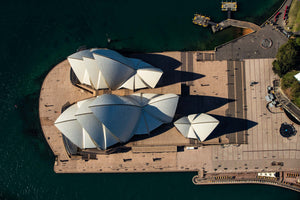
x=247 y=138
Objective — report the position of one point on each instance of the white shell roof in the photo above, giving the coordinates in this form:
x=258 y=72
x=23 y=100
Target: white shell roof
x=165 y=103
x=100 y=122
x=297 y=76
x=104 y=68
x=72 y=129
x=197 y=126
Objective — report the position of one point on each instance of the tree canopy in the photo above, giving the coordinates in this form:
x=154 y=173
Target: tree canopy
x=287 y=58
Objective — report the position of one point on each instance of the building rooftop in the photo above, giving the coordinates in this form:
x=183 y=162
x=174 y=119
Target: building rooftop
x=226 y=6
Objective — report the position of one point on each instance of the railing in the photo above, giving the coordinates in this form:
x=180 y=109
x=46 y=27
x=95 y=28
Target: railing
x=272 y=16
x=197 y=181
x=242 y=24
x=286 y=102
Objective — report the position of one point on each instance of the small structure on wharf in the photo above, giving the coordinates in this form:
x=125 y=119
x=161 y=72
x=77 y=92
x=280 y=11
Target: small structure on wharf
x=201 y=20
x=229 y=6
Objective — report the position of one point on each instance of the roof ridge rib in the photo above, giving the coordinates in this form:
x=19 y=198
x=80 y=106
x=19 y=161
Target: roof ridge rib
x=115 y=60
x=115 y=105
x=206 y=122
x=160 y=100
x=69 y=120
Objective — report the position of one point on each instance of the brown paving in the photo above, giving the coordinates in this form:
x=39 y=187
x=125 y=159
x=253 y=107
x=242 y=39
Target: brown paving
x=264 y=143
x=249 y=46
x=55 y=92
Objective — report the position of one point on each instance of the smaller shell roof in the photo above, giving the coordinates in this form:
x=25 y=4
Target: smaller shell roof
x=196 y=126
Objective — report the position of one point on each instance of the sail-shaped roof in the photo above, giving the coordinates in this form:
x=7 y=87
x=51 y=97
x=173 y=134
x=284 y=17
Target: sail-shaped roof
x=196 y=126
x=68 y=124
x=100 y=122
x=104 y=68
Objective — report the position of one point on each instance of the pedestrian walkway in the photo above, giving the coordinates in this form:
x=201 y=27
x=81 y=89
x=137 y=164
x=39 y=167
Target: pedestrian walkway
x=252 y=46
x=239 y=23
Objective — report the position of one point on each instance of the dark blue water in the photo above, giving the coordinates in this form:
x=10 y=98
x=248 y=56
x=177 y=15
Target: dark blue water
x=36 y=35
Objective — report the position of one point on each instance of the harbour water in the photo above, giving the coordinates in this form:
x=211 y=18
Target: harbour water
x=36 y=35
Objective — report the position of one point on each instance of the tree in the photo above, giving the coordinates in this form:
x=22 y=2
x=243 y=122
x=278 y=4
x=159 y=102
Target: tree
x=286 y=58
x=291 y=87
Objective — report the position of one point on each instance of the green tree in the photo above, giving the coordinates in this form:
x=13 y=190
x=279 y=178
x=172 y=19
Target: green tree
x=291 y=87
x=287 y=58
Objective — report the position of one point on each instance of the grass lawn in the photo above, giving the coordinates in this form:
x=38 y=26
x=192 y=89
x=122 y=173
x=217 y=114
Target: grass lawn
x=294 y=16
x=291 y=87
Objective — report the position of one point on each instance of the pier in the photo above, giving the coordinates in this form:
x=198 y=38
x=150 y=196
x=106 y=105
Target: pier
x=204 y=21
x=236 y=23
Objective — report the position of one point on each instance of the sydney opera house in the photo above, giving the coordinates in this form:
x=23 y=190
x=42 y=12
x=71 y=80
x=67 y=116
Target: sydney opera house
x=100 y=122
x=175 y=111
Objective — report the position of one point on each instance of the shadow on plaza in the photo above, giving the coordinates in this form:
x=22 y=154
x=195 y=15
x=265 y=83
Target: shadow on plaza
x=293 y=119
x=168 y=65
x=163 y=62
x=172 y=77
x=187 y=105
x=193 y=104
x=160 y=130
x=230 y=125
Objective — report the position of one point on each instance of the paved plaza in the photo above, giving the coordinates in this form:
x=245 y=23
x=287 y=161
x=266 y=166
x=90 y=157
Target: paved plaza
x=265 y=144
x=250 y=46
x=247 y=137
